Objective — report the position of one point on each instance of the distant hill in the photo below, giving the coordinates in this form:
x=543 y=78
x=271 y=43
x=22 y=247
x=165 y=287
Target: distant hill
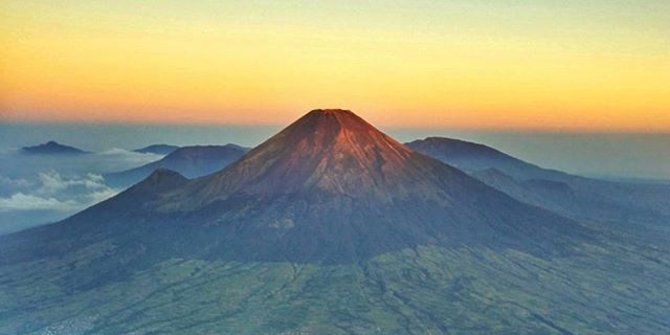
x=159 y=149
x=52 y=148
x=191 y=162
x=570 y=195
x=471 y=157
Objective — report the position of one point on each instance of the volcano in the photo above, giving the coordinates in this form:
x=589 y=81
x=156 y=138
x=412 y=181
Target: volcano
x=329 y=188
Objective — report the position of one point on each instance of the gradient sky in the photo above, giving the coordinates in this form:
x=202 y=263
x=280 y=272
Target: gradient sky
x=542 y=64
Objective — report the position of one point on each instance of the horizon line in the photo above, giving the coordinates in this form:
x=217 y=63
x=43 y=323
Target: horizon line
x=492 y=129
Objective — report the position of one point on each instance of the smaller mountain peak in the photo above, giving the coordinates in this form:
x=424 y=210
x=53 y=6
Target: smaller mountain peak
x=162 y=179
x=440 y=146
x=161 y=173
x=52 y=147
x=162 y=176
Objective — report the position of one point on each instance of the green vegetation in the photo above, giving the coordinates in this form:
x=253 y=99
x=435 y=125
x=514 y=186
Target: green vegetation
x=604 y=289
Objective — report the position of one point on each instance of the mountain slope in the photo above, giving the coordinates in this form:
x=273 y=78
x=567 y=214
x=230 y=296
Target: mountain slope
x=192 y=162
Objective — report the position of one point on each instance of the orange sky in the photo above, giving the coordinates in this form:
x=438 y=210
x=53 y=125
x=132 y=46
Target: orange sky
x=594 y=65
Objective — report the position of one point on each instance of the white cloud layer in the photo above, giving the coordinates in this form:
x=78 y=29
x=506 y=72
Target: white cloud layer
x=51 y=191
x=27 y=202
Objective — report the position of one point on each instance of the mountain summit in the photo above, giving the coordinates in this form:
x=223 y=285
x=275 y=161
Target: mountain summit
x=328 y=151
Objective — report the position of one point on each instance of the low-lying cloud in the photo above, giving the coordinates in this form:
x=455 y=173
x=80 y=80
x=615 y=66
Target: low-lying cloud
x=27 y=202
x=51 y=191
x=38 y=189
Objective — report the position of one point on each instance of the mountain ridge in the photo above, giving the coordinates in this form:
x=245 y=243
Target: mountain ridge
x=569 y=195
x=471 y=157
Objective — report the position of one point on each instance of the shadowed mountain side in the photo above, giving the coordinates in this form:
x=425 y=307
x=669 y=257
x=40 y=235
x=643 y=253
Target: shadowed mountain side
x=119 y=219
x=191 y=162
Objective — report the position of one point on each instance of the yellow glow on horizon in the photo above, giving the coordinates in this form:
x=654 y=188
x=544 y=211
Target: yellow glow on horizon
x=87 y=62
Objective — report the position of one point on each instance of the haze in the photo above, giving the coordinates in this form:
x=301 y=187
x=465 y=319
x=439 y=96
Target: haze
x=627 y=155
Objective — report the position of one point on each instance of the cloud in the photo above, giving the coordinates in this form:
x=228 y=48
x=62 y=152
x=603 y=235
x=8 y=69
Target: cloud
x=9 y=186
x=52 y=182
x=27 y=202
x=38 y=189
x=52 y=191
x=28 y=167
x=17 y=182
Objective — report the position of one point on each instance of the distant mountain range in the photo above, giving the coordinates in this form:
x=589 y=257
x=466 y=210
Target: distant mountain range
x=472 y=157
x=191 y=161
x=333 y=227
x=570 y=195
x=52 y=148
x=159 y=149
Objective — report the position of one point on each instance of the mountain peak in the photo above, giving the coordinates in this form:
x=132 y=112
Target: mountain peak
x=331 y=111
x=335 y=114
x=329 y=150
x=52 y=147
x=160 y=180
x=332 y=121
x=161 y=175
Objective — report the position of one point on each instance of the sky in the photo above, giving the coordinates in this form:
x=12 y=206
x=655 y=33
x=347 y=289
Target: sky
x=590 y=65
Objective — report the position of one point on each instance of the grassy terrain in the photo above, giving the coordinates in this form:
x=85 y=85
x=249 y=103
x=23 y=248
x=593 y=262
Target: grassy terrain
x=613 y=287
